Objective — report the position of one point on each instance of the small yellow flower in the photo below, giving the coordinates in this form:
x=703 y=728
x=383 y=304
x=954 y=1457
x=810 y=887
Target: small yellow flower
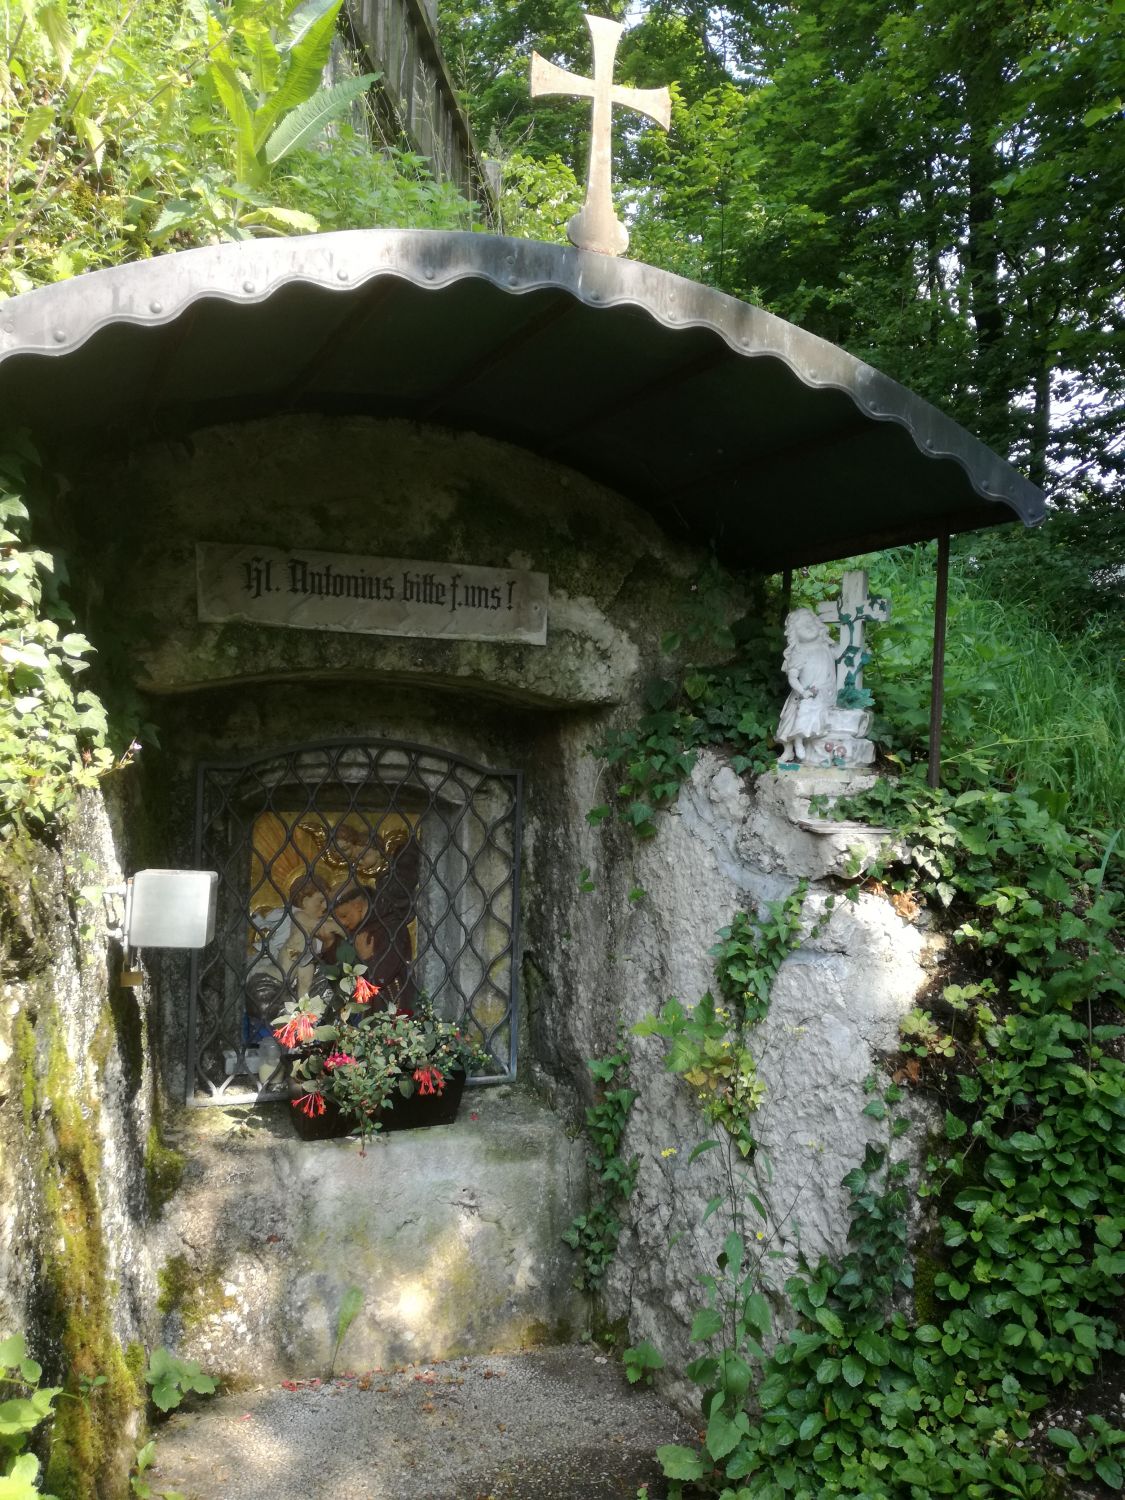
x=668 y=1151
x=761 y=1234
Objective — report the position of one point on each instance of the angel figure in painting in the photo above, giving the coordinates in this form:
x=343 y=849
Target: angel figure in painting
x=810 y=665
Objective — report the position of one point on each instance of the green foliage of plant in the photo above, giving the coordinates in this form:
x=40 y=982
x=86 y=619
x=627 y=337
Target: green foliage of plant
x=641 y=1362
x=708 y=1043
x=1100 y=1453
x=594 y=1234
x=21 y=1480
x=730 y=704
x=131 y=129
x=716 y=1064
x=52 y=733
x=350 y=1306
x=1028 y=1179
x=1023 y=702
x=750 y=951
x=25 y=1405
x=172 y=1379
x=146 y=1457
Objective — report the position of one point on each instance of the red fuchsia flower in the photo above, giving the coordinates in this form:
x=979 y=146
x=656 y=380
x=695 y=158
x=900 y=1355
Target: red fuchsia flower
x=310 y=1104
x=297 y=1029
x=429 y=1080
x=338 y=1060
x=401 y=1012
x=364 y=991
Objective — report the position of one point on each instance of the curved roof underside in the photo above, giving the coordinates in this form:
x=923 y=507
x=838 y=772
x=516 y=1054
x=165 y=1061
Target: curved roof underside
x=729 y=425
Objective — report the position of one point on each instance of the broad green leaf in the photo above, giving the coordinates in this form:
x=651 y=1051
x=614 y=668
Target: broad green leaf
x=722 y=1435
x=233 y=97
x=873 y=1347
x=678 y=1462
x=275 y=217
x=350 y=1306
x=830 y=1322
x=306 y=57
x=706 y=1323
x=853 y=1369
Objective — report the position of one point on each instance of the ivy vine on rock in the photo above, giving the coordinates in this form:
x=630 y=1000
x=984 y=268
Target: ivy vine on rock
x=595 y=1233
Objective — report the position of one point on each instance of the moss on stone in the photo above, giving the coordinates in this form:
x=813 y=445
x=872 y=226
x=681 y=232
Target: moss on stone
x=194 y=1295
x=164 y=1169
x=23 y=1044
x=87 y=1459
x=136 y=1361
x=175 y=1279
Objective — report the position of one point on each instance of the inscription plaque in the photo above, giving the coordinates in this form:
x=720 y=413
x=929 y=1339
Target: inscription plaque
x=370 y=595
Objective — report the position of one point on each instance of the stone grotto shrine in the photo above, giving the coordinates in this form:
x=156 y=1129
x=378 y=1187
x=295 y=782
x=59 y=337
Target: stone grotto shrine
x=385 y=528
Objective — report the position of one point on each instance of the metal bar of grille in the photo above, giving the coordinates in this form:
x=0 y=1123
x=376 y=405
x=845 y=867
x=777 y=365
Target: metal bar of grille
x=401 y=854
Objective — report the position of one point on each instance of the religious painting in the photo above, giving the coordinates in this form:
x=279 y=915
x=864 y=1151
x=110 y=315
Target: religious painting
x=325 y=890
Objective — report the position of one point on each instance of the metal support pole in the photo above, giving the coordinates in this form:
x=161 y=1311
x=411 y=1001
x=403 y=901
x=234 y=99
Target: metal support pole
x=937 y=680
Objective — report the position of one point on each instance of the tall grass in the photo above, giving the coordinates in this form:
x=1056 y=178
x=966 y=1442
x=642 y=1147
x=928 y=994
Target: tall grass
x=1022 y=705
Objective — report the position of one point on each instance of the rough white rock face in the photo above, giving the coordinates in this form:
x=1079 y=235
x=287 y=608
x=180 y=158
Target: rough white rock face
x=730 y=845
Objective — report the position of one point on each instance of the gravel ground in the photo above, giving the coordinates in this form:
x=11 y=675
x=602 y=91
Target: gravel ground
x=555 y=1424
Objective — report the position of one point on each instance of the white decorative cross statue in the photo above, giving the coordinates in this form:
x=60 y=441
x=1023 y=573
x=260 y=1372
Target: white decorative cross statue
x=856 y=609
x=596 y=226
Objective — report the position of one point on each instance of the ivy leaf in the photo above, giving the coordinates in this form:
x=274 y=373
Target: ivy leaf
x=955 y=1127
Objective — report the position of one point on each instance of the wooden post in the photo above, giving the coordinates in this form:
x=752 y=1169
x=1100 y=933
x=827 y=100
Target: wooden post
x=937 y=680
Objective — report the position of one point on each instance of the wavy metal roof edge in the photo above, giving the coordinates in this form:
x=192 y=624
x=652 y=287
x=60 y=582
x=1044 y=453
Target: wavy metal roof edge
x=56 y=320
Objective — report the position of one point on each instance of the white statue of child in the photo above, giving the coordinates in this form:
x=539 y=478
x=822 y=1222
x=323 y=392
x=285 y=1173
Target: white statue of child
x=810 y=665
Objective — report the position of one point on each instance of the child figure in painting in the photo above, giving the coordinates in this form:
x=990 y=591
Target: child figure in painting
x=810 y=665
x=290 y=940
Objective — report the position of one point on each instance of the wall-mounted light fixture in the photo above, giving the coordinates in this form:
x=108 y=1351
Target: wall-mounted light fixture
x=163 y=909
x=170 y=909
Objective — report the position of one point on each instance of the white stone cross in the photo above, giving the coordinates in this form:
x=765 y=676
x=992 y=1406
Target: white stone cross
x=856 y=609
x=596 y=226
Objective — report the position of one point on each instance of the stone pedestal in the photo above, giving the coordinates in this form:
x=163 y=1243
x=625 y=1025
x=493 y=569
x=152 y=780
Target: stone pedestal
x=844 y=744
x=452 y=1234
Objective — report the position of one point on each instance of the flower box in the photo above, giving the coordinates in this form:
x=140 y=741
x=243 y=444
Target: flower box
x=405 y=1114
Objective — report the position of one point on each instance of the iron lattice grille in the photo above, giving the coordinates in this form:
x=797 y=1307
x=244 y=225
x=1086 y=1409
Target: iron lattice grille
x=405 y=853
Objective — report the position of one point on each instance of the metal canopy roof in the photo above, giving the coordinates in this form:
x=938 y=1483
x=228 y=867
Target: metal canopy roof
x=727 y=424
